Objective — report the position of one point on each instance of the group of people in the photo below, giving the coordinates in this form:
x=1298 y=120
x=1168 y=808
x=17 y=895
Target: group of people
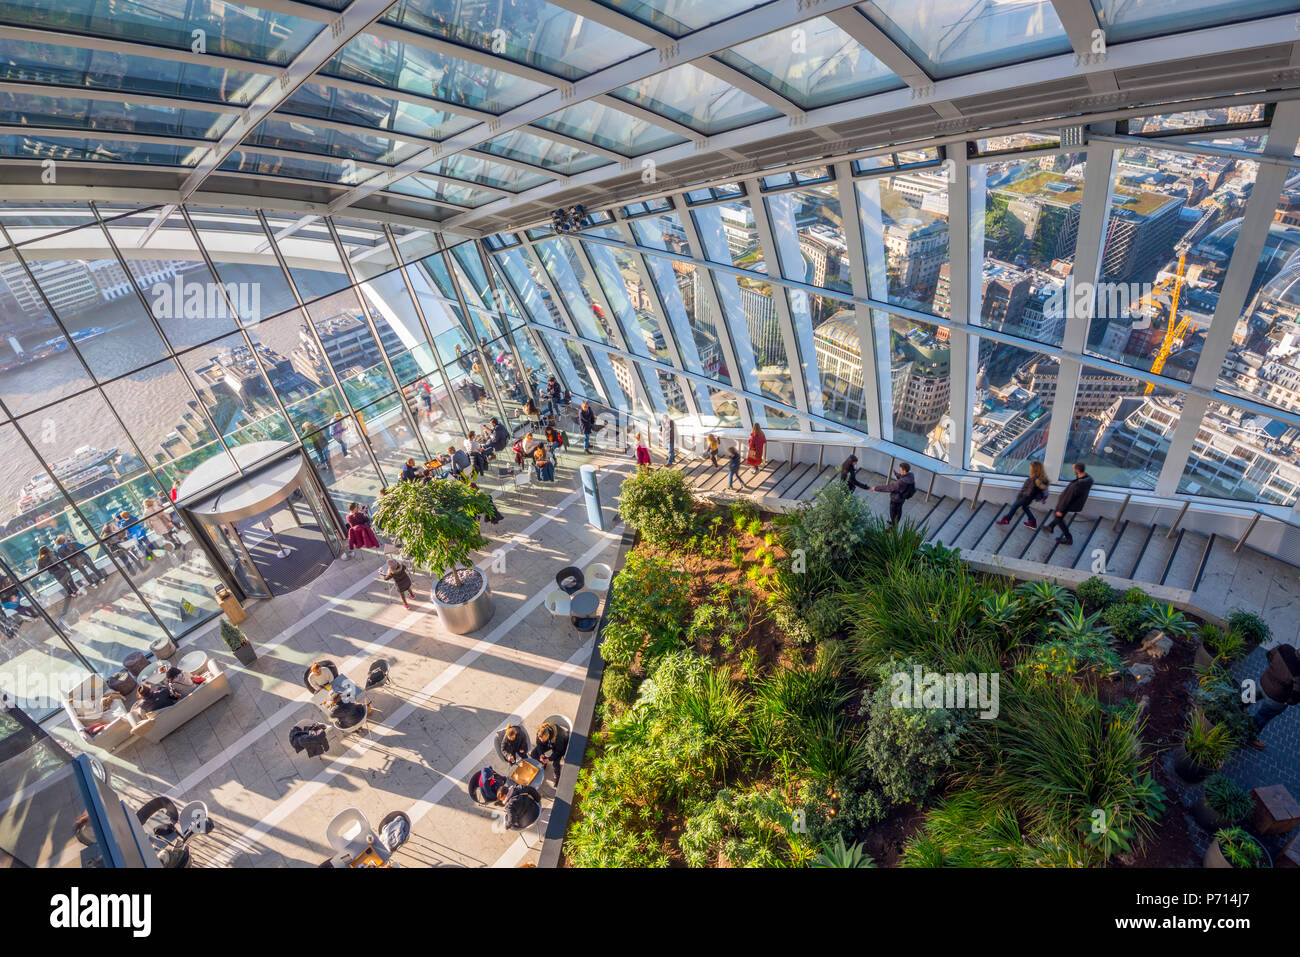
x=755 y=456
x=519 y=801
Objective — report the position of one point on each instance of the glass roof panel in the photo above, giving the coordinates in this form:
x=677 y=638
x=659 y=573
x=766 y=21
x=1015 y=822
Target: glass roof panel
x=696 y=99
x=680 y=17
x=228 y=29
x=607 y=127
x=1126 y=20
x=284 y=134
x=815 y=64
x=79 y=113
x=391 y=63
x=25 y=62
x=441 y=191
x=324 y=102
x=476 y=169
x=528 y=148
x=532 y=32
x=345 y=173
x=23 y=146
x=949 y=37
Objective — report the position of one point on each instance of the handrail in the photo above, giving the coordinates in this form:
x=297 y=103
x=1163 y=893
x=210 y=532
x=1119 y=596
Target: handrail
x=1122 y=508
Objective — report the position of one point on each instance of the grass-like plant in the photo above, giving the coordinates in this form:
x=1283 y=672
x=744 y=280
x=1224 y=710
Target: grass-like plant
x=436 y=522
x=1207 y=743
x=1250 y=626
x=1240 y=849
x=1224 y=645
x=1228 y=799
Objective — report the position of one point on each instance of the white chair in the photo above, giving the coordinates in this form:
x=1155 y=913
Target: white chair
x=523 y=480
x=557 y=603
x=598 y=575
x=349 y=832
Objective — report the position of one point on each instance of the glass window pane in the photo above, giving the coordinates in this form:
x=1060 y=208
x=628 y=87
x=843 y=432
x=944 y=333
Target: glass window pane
x=538 y=34
x=288 y=134
x=905 y=237
x=730 y=235
x=235 y=393
x=374 y=111
x=543 y=152
x=36 y=666
x=680 y=17
x=837 y=342
x=1243 y=456
x=612 y=129
x=1009 y=421
x=950 y=37
x=1119 y=430
x=242 y=255
x=1151 y=18
x=37 y=365
x=920 y=387
x=688 y=95
x=815 y=64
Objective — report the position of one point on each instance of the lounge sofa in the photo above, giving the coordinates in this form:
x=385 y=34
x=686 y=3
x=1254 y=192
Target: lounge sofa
x=103 y=719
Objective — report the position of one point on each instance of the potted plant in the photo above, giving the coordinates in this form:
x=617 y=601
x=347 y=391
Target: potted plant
x=1204 y=748
x=437 y=523
x=1234 y=847
x=1218 y=645
x=1223 y=803
x=237 y=642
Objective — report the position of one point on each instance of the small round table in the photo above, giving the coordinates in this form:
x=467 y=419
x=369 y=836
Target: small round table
x=193 y=661
x=582 y=610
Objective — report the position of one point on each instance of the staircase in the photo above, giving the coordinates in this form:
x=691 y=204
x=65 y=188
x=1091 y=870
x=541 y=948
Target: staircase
x=1198 y=569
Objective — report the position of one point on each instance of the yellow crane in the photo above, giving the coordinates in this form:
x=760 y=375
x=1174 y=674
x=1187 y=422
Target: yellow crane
x=1175 y=330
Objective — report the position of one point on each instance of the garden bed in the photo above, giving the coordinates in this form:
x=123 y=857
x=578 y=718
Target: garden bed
x=749 y=713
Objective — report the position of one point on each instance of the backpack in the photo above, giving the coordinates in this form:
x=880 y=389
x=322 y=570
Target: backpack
x=487 y=782
x=909 y=491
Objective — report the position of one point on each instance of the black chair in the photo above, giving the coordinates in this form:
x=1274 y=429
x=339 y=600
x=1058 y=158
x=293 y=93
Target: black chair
x=378 y=674
x=400 y=834
x=570 y=580
x=532 y=812
x=329 y=666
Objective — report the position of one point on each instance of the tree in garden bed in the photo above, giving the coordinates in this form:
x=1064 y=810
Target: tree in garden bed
x=437 y=524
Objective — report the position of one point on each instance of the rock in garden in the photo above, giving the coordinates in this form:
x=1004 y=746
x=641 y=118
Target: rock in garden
x=1158 y=644
x=1141 y=672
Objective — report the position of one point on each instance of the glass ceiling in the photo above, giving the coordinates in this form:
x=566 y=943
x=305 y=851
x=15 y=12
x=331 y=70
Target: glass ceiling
x=495 y=103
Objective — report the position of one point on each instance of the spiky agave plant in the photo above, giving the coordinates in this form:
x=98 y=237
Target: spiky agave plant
x=840 y=854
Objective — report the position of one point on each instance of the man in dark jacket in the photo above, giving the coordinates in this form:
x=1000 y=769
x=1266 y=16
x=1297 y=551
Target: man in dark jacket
x=1279 y=686
x=586 y=422
x=849 y=473
x=900 y=490
x=552 y=742
x=1071 y=503
x=500 y=437
x=522 y=805
x=553 y=394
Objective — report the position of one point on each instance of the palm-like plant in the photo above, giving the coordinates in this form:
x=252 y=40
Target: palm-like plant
x=1074 y=626
x=841 y=855
x=1169 y=620
x=1043 y=599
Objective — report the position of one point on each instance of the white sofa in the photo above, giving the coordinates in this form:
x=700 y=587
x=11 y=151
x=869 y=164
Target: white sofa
x=91 y=704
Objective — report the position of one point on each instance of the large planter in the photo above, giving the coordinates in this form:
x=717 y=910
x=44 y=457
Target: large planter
x=1214 y=857
x=469 y=614
x=1203 y=658
x=1188 y=769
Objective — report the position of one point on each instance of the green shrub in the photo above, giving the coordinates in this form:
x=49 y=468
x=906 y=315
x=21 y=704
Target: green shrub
x=825 y=616
x=1125 y=621
x=645 y=613
x=658 y=503
x=1217 y=696
x=1227 y=645
x=750 y=828
x=967 y=830
x=1250 y=626
x=1239 y=848
x=1228 y=799
x=1135 y=596
x=1206 y=743
x=908 y=749
x=1055 y=756
x=1096 y=594
x=831 y=528
x=743 y=511
x=617 y=691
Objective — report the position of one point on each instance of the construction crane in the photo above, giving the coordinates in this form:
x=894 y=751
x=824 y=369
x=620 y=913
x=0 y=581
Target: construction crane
x=1175 y=329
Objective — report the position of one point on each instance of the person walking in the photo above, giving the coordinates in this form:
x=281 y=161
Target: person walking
x=713 y=449
x=757 y=445
x=176 y=488
x=1033 y=490
x=360 y=534
x=587 y=423
x=1279 y=687
x=395 y=572
x=115 y=540
x=554 y=394
x=900 y=490
x=138 y=532
x=46 y=562
x=160 y=523
x=642 y=453
x=337 y=434
x=1070 y=503
x=849 y=473
x=668 y=436
x=74 y=556
x=733 y=467
x=320 y=445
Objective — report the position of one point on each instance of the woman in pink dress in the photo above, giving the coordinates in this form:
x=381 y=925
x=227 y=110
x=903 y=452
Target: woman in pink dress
x=360 y=534
x=757 y=442
x=642 y=453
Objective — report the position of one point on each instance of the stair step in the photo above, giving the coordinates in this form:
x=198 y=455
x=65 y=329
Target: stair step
x=1185 y=562
x=942 y=519
x=978 y=528
x=1151 y=566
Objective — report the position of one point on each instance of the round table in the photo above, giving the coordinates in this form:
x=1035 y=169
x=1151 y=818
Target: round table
x=582 y=610
x=193 y=662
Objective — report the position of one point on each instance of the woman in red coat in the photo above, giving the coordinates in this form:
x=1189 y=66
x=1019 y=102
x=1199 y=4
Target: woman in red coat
x=757 y=442
x=360 y=534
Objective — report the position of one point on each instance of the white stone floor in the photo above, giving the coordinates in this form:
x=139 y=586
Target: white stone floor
x=434 y=722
